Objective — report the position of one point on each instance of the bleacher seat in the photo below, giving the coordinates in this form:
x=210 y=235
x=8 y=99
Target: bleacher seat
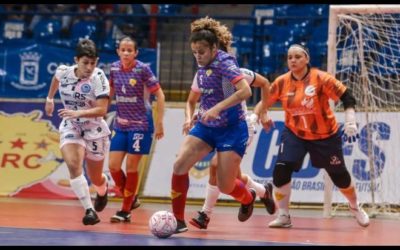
x=243 y=36
x=169 y=9
x=12 y=29
x=83 y=29
x=47 y=29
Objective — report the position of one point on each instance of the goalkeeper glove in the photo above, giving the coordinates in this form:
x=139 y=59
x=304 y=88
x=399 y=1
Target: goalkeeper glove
x=350 y=131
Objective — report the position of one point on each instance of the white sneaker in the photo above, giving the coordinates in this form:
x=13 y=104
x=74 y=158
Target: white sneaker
x=361 y=216
x=282 y=221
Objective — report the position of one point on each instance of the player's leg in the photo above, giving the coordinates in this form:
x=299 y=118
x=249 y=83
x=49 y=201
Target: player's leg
x=73 y=153
x=291 y=153
x=132 y=163
x=263 y=191
x=228 y=183
x=118 y=150
x=212 y=193
x=192 y=150
x=328 y=153
x=95 y=155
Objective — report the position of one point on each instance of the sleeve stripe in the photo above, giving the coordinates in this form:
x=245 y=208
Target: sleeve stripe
x=237 y=79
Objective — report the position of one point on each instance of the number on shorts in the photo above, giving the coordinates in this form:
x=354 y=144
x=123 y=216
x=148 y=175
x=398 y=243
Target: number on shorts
x=136 y=141
x=136 y=145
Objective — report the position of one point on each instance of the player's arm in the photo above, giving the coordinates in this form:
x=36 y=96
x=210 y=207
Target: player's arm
x=159 y=126
x=191 y=102
x=112 y=92
x=99 y=110
x=263 y=83
x=242 y=93
x=49 y=106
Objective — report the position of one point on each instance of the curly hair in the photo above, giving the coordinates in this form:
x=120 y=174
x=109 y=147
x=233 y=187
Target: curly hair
x=222 y=32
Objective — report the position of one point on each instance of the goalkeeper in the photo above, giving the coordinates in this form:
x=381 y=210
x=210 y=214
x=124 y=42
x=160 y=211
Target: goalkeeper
x=311 y=127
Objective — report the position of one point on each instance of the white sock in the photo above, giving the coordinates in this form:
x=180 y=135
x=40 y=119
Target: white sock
x=212 y=193
x=260 y=189
x=102 y=189
x=282 y=198
x=81 y=189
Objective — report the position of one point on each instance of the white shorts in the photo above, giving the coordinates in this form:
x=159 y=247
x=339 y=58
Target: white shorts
x=95 y=148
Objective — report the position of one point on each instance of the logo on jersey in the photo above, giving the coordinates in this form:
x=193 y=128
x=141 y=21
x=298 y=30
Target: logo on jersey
x=308 y=102
x=309 y=91
x=132 y=82
x=85 y=88
x=209 y=72
x=29 y=72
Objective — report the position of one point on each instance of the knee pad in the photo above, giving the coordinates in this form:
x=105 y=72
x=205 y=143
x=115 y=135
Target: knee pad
x=282 y=174
x=341 y=179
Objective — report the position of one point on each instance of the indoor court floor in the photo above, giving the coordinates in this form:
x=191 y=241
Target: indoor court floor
x=43 y=222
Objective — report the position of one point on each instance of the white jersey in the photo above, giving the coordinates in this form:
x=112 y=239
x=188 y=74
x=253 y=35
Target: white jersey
x=81 y=94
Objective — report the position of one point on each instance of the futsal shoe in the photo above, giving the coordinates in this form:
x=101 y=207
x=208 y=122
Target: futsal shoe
x=90 y=217
x=180 y=227
x=361 y=216
x=246 y=211
x=101 y=201
x=268 y=199
x=202 y=220
x=135 y=203
x=282 y=221
x=121 y=216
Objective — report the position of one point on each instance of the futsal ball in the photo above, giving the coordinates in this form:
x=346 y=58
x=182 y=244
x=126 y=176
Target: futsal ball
x=162 y=224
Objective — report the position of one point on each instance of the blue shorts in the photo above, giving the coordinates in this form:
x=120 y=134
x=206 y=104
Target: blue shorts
x=231 y=138
x=326 y=153
x=133 y=142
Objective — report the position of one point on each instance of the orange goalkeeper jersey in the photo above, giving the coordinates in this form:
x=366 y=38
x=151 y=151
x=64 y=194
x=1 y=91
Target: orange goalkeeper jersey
x=306 y=103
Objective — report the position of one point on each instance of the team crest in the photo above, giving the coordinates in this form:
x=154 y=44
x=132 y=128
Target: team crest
x=208 y=72
x=29 y=72
x=132 y=82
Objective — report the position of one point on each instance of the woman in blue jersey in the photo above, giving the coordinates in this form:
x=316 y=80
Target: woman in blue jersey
x=221 y=126
x=132 y=82
x=255 y=80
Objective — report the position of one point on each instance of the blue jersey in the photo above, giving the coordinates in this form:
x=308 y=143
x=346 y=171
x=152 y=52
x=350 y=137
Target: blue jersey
x=216 y=82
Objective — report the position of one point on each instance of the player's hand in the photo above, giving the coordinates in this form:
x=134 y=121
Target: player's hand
x=68 y=114
x=188 y=125
x=159 y=131
x=350 y=130
x=267 y=123
x=49 y=108
x=211 y=114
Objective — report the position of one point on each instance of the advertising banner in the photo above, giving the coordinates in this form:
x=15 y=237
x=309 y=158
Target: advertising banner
x=26 y=68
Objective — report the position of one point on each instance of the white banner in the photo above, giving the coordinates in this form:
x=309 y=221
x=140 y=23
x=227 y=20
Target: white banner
x=307 y=184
